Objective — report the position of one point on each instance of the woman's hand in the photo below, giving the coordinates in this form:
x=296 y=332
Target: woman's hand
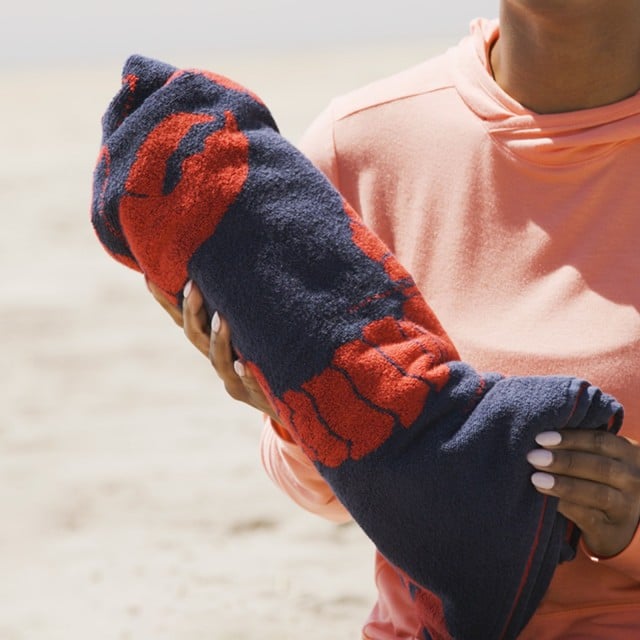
x=214 y=341
x=596 y=476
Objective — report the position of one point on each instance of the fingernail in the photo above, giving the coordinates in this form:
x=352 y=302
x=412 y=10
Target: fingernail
x=215 y=323
x=187 y=289
x=540 y=457
x=238 y=367
x=543 y=480
x=548 y=438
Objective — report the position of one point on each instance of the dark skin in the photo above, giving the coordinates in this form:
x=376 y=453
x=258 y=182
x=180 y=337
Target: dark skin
x=552 y=56
x=555 y=56
x=215 y=345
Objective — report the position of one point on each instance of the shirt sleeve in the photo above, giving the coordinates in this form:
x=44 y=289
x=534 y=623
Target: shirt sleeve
x=318 y=144
x=291 y=470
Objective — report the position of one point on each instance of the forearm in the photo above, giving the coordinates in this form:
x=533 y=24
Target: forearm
x=427 y=454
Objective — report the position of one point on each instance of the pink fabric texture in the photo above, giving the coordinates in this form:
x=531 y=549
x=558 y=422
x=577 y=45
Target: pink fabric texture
x=521 y=231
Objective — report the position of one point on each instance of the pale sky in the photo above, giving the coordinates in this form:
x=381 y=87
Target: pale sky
x=81 y=31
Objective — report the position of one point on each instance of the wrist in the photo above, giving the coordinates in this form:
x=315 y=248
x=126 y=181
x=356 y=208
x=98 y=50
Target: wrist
x=598 y=556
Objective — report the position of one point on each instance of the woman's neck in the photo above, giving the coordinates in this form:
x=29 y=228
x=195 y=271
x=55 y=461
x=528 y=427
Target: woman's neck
x=565 y=55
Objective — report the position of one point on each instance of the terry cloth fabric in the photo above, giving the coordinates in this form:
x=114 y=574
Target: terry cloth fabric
x=428 y=455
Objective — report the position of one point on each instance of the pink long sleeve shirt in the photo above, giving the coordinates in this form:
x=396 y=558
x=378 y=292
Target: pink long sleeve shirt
x=523 y=232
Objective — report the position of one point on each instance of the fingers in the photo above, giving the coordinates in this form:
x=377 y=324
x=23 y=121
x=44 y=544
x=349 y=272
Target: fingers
x=596 y=477
x=194 y=318
x=214 y=341
x=594 y=441
x=165 y=303
x=608 y=501
x=606 y=516
x=220 y=350
x=598 y=456
x=238 y=381
x=586 y=466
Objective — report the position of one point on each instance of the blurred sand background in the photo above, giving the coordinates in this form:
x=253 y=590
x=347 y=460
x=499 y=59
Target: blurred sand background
x=133 y=503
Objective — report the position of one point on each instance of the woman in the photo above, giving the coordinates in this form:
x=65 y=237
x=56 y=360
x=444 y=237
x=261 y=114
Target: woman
x=502 y=175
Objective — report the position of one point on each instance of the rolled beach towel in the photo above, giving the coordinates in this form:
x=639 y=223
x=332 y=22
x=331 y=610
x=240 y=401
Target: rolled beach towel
x=194 y=181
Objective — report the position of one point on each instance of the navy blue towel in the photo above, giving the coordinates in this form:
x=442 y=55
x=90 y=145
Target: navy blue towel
x=194 y=181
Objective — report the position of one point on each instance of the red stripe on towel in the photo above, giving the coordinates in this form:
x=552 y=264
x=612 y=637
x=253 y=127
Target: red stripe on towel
x=527 y=569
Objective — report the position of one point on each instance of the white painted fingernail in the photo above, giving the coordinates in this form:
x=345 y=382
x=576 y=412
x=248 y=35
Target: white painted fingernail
x=548 y=438
x=238 y=367
x=540 y=457
x=187 y=289
x=543 y=480
x=215 y=323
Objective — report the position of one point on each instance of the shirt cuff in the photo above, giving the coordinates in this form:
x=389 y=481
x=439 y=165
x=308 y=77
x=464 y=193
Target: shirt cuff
x=292 y=471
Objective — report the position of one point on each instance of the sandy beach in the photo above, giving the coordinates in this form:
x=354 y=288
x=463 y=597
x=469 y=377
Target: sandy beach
x=134 y=505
